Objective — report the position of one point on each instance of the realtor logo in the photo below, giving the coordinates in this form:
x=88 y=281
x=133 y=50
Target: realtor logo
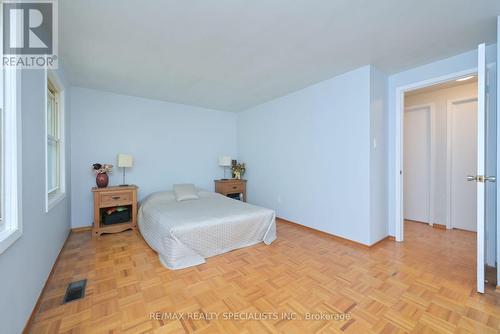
x=29 y=34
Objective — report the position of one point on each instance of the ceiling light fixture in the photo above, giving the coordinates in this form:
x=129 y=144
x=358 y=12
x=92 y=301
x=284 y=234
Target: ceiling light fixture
x=466 y=78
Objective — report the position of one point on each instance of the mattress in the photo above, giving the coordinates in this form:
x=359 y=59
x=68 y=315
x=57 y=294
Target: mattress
x=185 y=233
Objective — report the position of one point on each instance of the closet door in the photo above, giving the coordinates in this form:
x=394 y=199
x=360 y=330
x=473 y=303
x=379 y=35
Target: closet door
x=417 y=171
x=462 y=117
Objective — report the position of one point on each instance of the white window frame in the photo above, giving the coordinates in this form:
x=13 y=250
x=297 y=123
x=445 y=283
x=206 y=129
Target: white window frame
x=10 y=98
x=11 y=228
x=55 y=196
x=54 y=139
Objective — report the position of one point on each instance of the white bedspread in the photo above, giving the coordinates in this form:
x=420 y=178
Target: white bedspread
x=185 y=233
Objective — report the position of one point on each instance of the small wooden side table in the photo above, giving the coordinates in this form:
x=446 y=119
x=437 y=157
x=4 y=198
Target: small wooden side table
x=110 y=197
x=232 y=186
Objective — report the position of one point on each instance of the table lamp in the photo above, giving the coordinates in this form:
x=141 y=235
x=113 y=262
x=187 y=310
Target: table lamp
x=125 y=161
x=225 y=162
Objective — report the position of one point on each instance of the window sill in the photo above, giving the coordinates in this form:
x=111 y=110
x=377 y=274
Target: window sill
x=54 y=199
x=8 y=237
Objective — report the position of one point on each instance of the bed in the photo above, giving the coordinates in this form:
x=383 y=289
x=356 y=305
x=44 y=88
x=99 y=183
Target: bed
x=185 y=233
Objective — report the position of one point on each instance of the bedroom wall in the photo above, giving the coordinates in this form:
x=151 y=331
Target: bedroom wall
x=378 y=155
x=32 y=256
x=171 y=143
x=492 y=157
x=308 y=155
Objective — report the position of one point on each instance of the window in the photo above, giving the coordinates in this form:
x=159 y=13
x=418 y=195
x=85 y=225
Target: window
x=54 y=142
x=10 y=153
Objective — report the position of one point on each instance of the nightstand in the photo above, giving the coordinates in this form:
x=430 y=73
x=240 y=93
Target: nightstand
x=109 y=197
x=232 y=186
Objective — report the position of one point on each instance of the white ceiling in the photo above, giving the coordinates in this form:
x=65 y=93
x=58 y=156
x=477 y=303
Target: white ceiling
x=234 y=54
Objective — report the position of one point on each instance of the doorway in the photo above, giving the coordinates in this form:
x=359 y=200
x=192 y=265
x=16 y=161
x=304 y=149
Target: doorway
x=486 y=141
x=440 y=143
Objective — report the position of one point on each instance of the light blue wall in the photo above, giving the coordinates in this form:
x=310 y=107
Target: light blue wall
x=30 y=259
x=378 y=155
x=491 y=155
x=171 y=143
x=308 y=155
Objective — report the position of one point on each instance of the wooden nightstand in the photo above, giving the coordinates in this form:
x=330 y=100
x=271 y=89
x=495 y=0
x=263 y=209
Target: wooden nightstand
x=232 y=186
x=110 y=197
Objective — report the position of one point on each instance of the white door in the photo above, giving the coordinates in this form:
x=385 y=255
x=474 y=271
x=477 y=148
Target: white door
x=463 y=119
x=417 y=164
x=480 y=176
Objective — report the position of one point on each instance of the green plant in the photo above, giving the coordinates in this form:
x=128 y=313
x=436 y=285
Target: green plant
x=239 y=170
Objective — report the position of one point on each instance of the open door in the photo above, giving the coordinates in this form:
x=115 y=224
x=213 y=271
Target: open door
x=480 y=177
x=481 y=156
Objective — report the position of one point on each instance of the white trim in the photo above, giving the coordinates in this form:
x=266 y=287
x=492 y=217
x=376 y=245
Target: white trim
x=51 y=198
x=498 y=157
x=449 y=148
x=432 y=162
x=12 y=228
x=431 y=109
x=398 y=147
x=54 y=199
x=448 y=164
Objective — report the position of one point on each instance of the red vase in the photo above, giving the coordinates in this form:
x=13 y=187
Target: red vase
x=102 y=180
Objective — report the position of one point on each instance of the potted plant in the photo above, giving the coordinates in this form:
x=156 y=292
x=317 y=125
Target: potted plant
x=239 y=170
x=101 y=171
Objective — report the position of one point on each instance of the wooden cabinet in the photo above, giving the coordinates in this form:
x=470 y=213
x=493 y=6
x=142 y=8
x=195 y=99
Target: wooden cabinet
x=109 y=197
x=232 y=186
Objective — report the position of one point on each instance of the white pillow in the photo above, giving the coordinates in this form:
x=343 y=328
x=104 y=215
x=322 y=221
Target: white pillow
x=185 y=191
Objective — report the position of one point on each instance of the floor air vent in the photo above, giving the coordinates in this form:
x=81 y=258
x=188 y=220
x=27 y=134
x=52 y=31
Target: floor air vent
x=75 y=290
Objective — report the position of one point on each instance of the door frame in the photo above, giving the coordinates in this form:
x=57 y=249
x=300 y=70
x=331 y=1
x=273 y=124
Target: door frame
x=431 y=107
x=398 y=148
x=449 y=106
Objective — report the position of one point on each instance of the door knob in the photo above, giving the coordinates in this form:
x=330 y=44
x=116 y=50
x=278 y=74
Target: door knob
x=490 y=179
x=481 y=179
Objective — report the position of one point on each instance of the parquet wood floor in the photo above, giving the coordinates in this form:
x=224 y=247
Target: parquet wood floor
x=424 y=285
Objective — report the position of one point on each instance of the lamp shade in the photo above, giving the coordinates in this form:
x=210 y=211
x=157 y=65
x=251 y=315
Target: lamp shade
x=225 y=161
x=125 y=160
